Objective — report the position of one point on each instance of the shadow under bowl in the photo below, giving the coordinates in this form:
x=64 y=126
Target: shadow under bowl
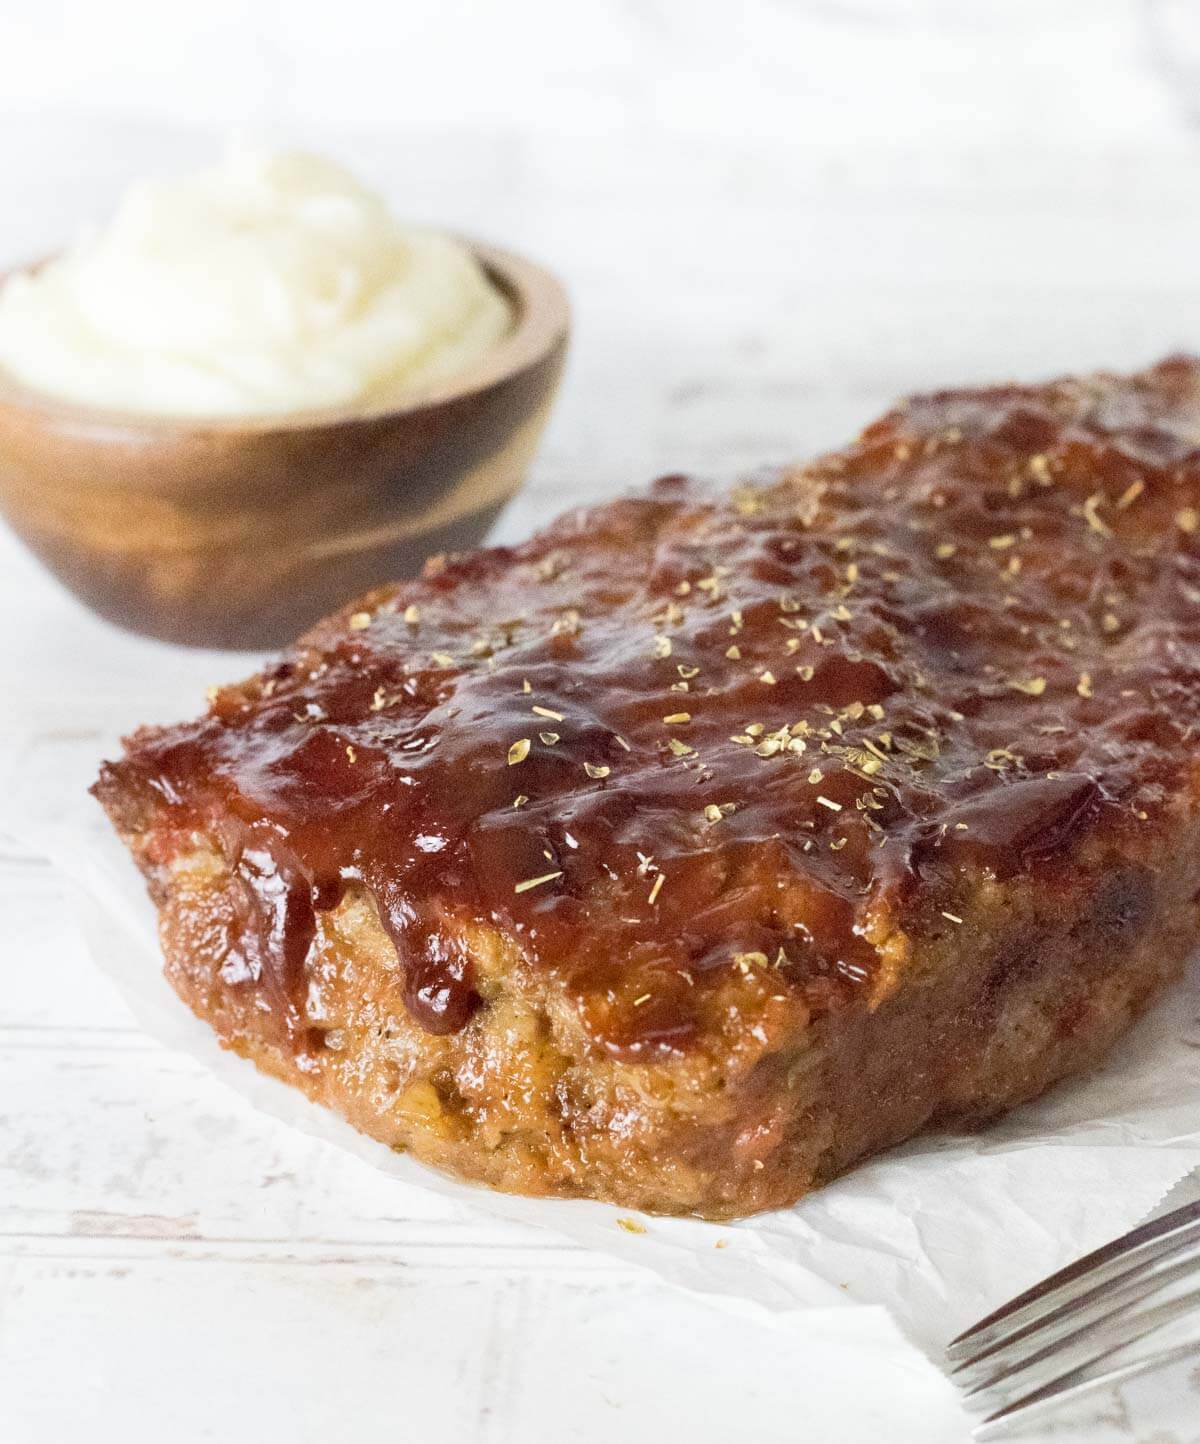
x=242 y=532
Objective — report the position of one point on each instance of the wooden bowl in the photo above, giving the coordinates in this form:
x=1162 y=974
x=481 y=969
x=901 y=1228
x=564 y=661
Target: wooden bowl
x=240 y=532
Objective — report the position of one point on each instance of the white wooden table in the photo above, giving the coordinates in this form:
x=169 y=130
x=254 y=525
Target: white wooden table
x=174 y=1266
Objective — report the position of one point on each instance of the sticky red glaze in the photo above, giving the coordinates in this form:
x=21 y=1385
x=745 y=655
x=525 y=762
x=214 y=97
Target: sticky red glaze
x=982 y=621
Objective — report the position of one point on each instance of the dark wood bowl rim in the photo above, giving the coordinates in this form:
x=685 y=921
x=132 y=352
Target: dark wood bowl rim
x=541 y=324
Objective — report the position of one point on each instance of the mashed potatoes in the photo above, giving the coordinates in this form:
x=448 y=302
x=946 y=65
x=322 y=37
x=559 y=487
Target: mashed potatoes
x=269 y=284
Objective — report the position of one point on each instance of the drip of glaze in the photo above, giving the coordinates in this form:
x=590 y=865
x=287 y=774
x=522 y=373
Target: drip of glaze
x=1012 y=825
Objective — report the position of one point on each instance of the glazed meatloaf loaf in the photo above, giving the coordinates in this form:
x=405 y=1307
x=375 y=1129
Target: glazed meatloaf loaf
x=705 y=844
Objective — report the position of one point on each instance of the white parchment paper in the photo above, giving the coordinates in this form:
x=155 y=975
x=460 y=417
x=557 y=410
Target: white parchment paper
x=938 y=1231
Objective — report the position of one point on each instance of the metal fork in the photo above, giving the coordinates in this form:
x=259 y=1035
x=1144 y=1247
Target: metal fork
x=1132 y=1306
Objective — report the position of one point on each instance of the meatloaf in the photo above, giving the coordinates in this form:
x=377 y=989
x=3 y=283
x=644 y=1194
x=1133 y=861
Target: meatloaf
x=707 y=843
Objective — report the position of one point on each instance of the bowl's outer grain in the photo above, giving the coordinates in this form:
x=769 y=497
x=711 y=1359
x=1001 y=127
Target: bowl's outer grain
x=242 y=533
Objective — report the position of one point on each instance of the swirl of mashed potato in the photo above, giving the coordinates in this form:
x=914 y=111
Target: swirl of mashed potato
x=271 y=283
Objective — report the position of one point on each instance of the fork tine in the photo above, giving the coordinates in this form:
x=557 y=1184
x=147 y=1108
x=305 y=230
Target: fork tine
x=1085 y=1345
x=1113 y=1296
x=1151 y=1240
x=1078 y=1381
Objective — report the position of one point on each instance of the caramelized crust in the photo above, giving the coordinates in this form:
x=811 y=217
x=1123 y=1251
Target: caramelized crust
x=704 y=844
